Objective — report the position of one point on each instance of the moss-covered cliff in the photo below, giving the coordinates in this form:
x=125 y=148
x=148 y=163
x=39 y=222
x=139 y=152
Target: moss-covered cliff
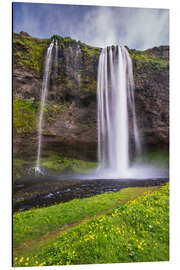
x=151 y=75
x=70 y=113
x=76 y=72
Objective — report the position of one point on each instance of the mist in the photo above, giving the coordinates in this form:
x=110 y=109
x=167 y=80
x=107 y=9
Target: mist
x=138 y=28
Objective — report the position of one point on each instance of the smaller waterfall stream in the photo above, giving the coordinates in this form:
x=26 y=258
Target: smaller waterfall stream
x=56 y=60
x=43 y=99
x=77 y=62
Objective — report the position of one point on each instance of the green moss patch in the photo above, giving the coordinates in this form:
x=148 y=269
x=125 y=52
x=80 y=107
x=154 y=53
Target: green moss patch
x=29 y=51
x=18 y=167
x=59 y=163
x=148 y=61
x=53 y=163
x=25 y=115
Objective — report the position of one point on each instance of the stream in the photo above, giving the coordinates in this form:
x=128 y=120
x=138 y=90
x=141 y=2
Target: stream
x=32 y=192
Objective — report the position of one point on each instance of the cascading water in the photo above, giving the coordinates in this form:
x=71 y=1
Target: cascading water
x=43 y=99
x=116 y=116
x=77 y=62
x=115 y=92
x=70 y=51
x=56 y=60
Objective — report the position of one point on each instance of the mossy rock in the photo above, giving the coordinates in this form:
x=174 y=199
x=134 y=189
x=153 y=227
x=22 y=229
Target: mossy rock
x=25 y=115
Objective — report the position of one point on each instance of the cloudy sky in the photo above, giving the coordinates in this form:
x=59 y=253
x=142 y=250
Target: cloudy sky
x=138 y=28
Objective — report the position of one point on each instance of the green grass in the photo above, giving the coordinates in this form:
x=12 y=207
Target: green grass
x=34 y=223
x=134 y=231
x=59 y=163
x=54 y=163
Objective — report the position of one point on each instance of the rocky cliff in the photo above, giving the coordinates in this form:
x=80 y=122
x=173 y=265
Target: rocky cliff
x=70 y=115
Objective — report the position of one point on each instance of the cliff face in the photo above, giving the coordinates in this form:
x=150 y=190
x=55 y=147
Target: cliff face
x=151 y=75
x=70 y=115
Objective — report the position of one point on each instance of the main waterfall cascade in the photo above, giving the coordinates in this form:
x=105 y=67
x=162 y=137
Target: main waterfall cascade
x=43 y=99
x=115 y=92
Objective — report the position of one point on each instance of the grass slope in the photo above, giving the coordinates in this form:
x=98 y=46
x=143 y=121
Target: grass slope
x=134 y=231
x=35 y=223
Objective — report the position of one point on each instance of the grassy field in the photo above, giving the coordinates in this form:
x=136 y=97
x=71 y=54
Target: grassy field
x=125 y=226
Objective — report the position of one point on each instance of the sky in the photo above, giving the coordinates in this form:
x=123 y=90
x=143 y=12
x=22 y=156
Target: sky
x=137 y=28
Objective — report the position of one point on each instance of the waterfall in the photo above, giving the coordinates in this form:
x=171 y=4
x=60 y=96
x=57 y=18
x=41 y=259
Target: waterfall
x=78 y=60
x=56 y=60
x=70 y=51
x=43 y=99
x=115 y=93
x=78 y=51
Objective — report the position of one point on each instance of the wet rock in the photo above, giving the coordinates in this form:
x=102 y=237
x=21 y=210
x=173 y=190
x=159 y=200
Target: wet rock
x=50 y=195
x=38 y=192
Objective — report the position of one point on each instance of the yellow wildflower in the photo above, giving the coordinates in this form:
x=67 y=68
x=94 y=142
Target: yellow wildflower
x=43 y=263
x=21 y=259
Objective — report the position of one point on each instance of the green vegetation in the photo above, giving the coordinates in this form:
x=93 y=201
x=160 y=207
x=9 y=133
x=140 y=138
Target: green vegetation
x=160 y=159
x=35 y=223
x=18 y=167
x=132 y=232
x=147 y=60
x=25 y=115
x=59 y=163
x=53 y=163
x=69 y=40
x=91 y=51
x=29 y=51
x=52 y=110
